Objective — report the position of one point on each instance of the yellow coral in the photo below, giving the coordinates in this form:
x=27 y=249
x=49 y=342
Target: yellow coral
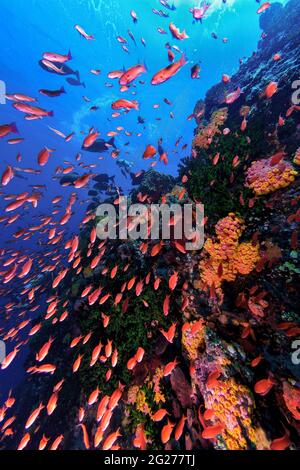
x=232 y=405
x=191 y=341
x=206 y=133
x=245 y=258
x=141 y=403
x=297 y=157
x=132 y=394
x=158 y=395
x=227 y=257
x=265 y=178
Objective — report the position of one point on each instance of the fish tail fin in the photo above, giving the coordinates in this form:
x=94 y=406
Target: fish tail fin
x=51 y=114
x=62 y=90
x=14 y=128
x=70 y=55
x=112 y=142
x=83 y=84
x=183 y=59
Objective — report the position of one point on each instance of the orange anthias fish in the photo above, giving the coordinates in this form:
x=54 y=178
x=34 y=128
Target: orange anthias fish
x=291 y=396
x=6 y=129
x=43 y=442
x=213 y=377
x=179 y=428
x=176 y=32
x=281 y=443
x=166 y=73
x=44 y=155
x=125 y=104
x=56 y=443
x=169 y=335
x=86 y=439
x=270 y=90
x=262 y=387
x=263 y=7
x=150 y=152
x=132 y=74
x=32 y=110
x=110 y=440
x=159 y=415
x=90 y=139
x=82 y=32
x=140 y=439
x=170 y=367
x=277 y=157
x=34 y=415
x=173 y=281
x=52 y=403
x=211 y=432
x=7 y=175
x=54 y=57
x=167 y=431
x=234 y=96
x=24 y=441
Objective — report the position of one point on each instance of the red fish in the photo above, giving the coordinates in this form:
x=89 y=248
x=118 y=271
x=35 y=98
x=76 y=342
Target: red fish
x=263 y=7
x=166 y=432
x=90 y=139
x=134 y=16
x=270 y=90
x=54 y=57
x=150 y=152
x=176 y=32
x=131 y=74
x=282 y=443
x=6 y=129
x=7 y=175
x=32 y=110
x=166 y=73
x=232 y=97
x=211 y=432
x=262 y=387
x=125 y=104
x=44 y=155
x=199 y=12
x=169 y=335
x=82 y=32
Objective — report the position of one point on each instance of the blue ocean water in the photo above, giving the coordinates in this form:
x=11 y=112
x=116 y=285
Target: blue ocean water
x=31 y=27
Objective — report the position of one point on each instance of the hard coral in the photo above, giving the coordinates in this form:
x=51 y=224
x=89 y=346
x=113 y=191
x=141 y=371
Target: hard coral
x=206 y=133
x=192 y=339
x=230 y=403
x=158 y=395
x=232 y=406
x=297 y=157
x=263 y=178
x=228 y=257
